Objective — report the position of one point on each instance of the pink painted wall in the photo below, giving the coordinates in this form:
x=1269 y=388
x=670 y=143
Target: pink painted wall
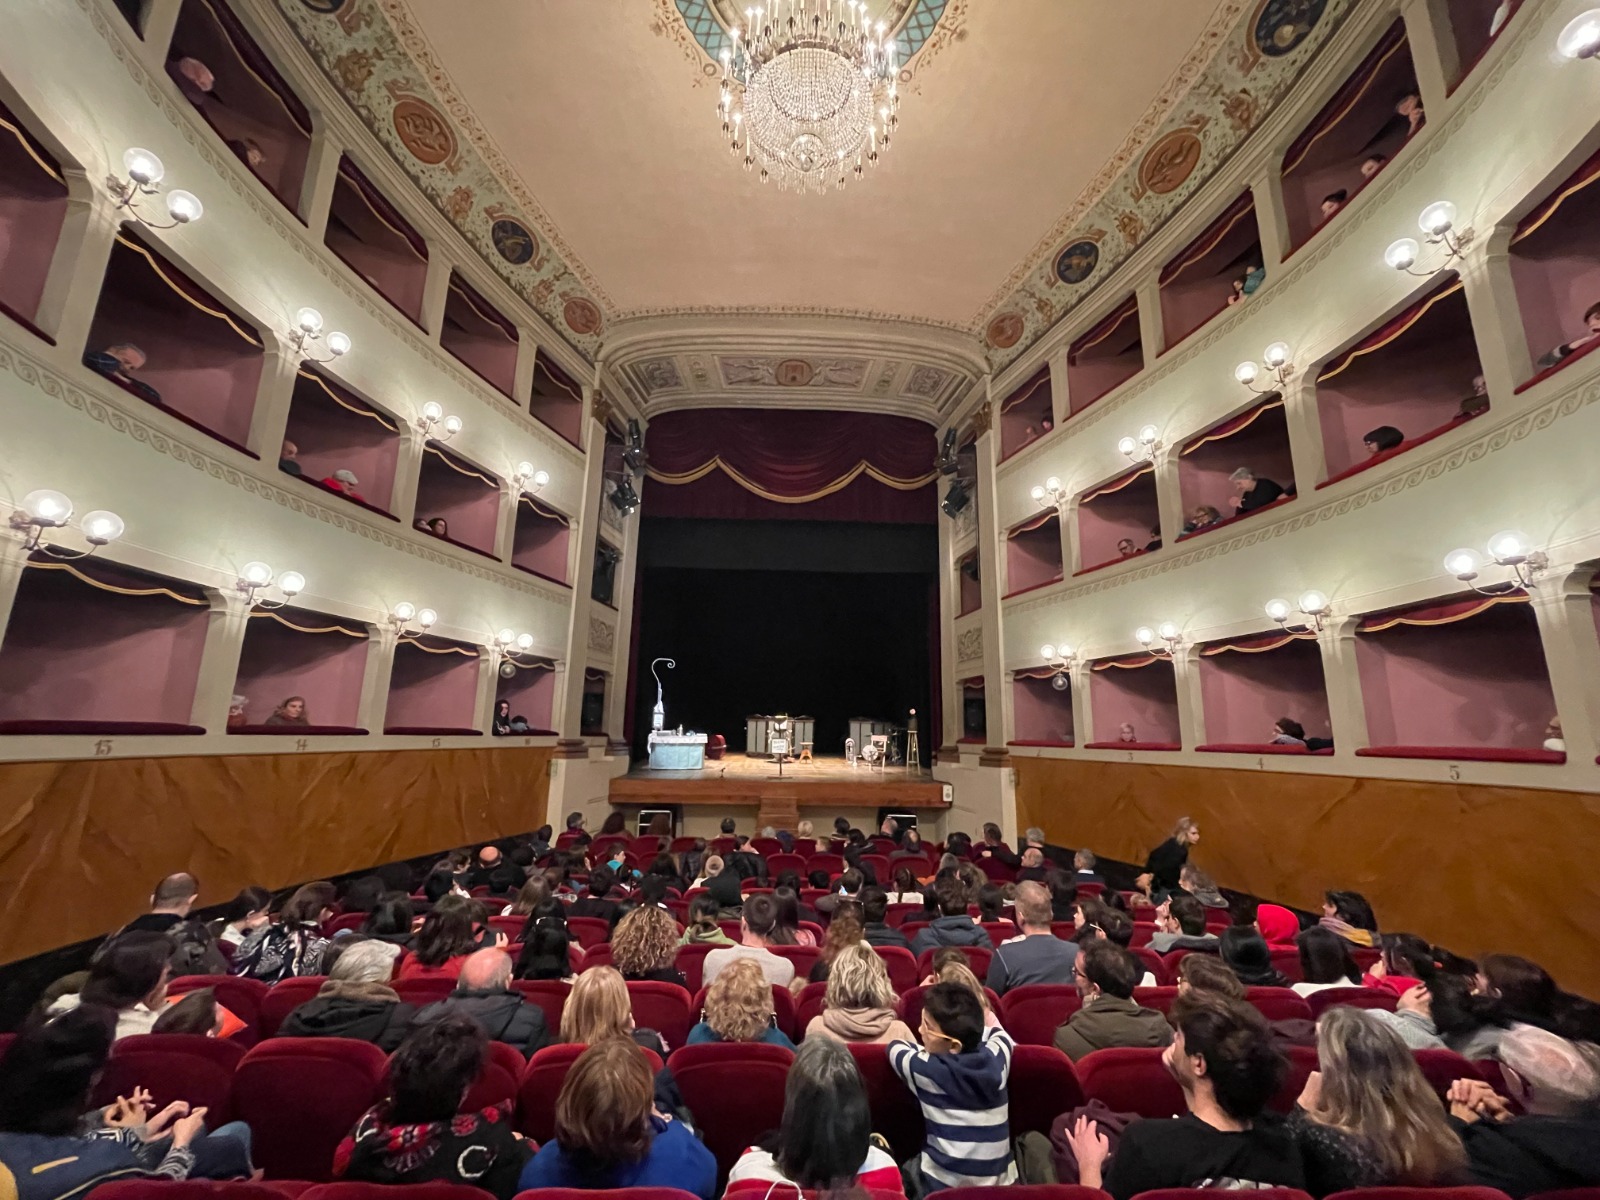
x=1244 y=694
x=969 y=590
x=541 y=544
x=33 y=207
x=73 y=652
x=556 y=408
x=1147 y=697
x=330 y=437
x=432 y=689
x=1039 y=712
x=1263 y=446
x=1034 y=557
x=471 y=506
x=532 y=695
x=1106 y=520
x=1202 y=291
x=1557 y=272
x=1415 y=383
x=1031 y=413
x=374 y=251
x=1104 y=366
x=278 y=662
x=478 y=342
x=1479 y=682
x=198 y=363
x=1469 y=24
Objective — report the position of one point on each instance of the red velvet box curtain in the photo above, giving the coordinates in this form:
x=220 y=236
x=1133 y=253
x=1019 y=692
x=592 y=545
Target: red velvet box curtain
x=257 y=63
x=1438 y=612
x=1347 y=96
x=776 y=464
x=1103 y=330
x=1208 y=241
x=1575 y=183
x=381 y=208
x=1380 y=338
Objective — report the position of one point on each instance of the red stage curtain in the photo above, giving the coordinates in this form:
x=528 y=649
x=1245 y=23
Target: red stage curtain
x=791 y=465
x=1347 y=96
x=1230 y=427
x=1208 y=241
x=1438 y=612
x=380 y=206
x=1128 y=308
x=1576 y=182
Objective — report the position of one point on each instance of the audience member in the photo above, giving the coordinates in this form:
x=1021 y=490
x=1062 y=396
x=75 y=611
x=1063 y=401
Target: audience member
x=994 y=846
x=1278 y=925
x=391 y=920
x=1201 y=886
x=1286 y=731
x=1208 y=973
x=1382 y=439
x=1033 y=865
x=844 y=930
x=1106 y=975
x=875 y=928
x=440 y=947
x=128 y=977
x=959 y=1076
x=952 y=927
x=722 y=885
x=1409 y=106
x=546 y=944
x=1350 y=916
x=437 y=526
x=786 y=931
x=1155 y=539
x=1036 y=955
x=118 y=363
x=1333 y=202
x=193 y=77
x=1127 y=548
x=483 y=994
x=356 y=1001
x=860 y=1001
x=1202 y=516
x=1591 y=319
x=1325 y=962
x=906 y=890
x=1553 y=739
x=823 y=1145
x=198 y=1013
x=1083 y=865
x=1236 y=292
x=501 y=725
x=291 y=712
x=596 y=901
x=1166 y=860
x=1224 y=1059
x=739 y=1009
x=249 y=152
x=756 y=925
x=850 y=884
x=645 y=945
x=1477 y=403
x=1181 y=925
x=528 y=896
x=417 y=1133
x=1245 y=950
x=703 y=926
x=1251 y=492
x=289 y=458
x=295 y=944
x=1372 y=164
x=344 y=482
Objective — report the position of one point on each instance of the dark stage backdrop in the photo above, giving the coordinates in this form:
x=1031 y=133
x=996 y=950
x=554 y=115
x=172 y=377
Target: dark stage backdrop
x=813 y=631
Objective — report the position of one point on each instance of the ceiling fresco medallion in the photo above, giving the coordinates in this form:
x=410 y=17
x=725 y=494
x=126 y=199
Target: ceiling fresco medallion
x=1171 y=161
x=423 y=131
x=1005 y=330
x=581 y=315
x=1077 y=262
x=1282 y=25
x=513 y=241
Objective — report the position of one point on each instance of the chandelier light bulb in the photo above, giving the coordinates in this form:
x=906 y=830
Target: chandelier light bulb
x=1276 y=355
x=1402 y=255
x=257 y=574
x=1463 y=563
x=1047 y=652
x=1509 y=547
x=291 y=583
x=427 y=618
x=1246 y=373
x=505 y=637
x=525 y=641
x=1127 y=445
x=1278 y=610
x=1313 y=603
x=1168 y=631
x=101 y=527
x=1581 y=38
x=452 y=425
x=1148 y=435
x=308 y=320
x=1144 y=635
x=338 y=344
x=1037 y=493
x=431 y=411
x=1064 y=650
x=524 y=470
x=47 y=507
x=541 y=479
x=143 y=167
x=1052 y=485
x=404 y=611
x=1438 y=218
x=184 y=207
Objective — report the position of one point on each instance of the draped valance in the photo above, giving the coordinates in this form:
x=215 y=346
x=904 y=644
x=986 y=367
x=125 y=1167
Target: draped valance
x=1256 y=643
x=1028 y=390
x=1393 y=329
x=1230 y=427
x=1128 y=662
x=1438 y=612
x=380 y=207
x=1239 y=210
x=460 y=465
x=1112 y=322
x=107 y=576
x=344 y=399
x=304 y=621
x=1347 y=97
x=482 y=309
x=259 y=65
x=1580 y=179
x=1036 y=673
x=176 y=281
x=1126 y=479
x=1032 y=523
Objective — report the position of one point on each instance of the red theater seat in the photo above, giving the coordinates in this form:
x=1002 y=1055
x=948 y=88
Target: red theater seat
x=803 y=957
x=833 y=864
x=634 y=1193
x=387 y=1191
x=283 y=998
x=910 y=1007
x=541 y=1083
x=423 y=991
x=1288 y=962
x=895 y=1112
x=735 y=1092
x=202 y=1189
x=902 y=967
x=1131 y=1079
x=691 y=960
x=809 y=1005
x=1043 y=1085
x=1155 y=964
x=664 y=1007
x=600 y=956
x=301 y=1096
x=777 y=864
x=1158 y=998
x=1444 y=1067
x=497 y=1082
x=1424 y=1193
x=173 y=1066
x=549 y=994
x=1032 y=1014
x=590 y=931
x=240 y=996
x=1278 y=1004
x=1302 y=1061
x=1209 y=1193
x=1354 y=997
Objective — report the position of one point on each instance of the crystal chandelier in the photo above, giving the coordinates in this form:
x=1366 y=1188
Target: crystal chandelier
x=809 y=96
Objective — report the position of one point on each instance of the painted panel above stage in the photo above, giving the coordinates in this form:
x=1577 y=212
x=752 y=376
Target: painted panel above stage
x=772 y=464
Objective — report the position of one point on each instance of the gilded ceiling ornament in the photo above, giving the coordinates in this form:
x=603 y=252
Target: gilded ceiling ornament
x=354 y=67
x=1005 y=331
x=1131 y=226
x=1168 y=163
x=458 y=203
x=982 y=420
x=1282 y=25
x=581 y=315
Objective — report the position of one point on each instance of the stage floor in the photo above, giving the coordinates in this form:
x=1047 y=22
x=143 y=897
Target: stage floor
x=738 y=781
x=818 y=770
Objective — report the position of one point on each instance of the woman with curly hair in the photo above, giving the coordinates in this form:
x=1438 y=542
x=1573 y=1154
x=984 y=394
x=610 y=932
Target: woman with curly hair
x=739 y=1009
x=644 y=946
x=598 y=1008
x=859 y=1006
x=846 y=929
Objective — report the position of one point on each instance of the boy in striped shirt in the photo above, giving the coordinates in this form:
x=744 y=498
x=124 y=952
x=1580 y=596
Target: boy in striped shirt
x=959 y=1080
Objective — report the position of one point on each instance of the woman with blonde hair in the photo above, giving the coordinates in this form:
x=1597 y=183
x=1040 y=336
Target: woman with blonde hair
x=644 y=946
x=1368 y=1117
x=860 y=1001
x=739 y=1009
x=598 y=1008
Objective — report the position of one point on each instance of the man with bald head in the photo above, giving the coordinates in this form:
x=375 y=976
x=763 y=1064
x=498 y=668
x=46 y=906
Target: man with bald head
x=169 y=904
x=1037 y=955
x=483 y=992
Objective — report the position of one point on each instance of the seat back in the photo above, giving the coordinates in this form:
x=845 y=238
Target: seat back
x=173 y=1066
x=1435 y=1193
x=899 y=913
x=301 y=1096
x=803 y=958
x=1159 y=998
x=910 y=1006
x=1302 y=1061
x=901 y=965
x=497 y=1082
x=423 y=991
x=735 y=1093
x=1131 y=1079
x=879 y=863
x=239 y=995
x=1278 y=1004
x=1274 y=1193
x=589 y=931
x=778 y=863
x=549 y=994
x=1043 y=1085
x=1143 y=931
x=809 y=1004
x=598 y=956
x=766 y=847
x=344 y=922
x=1031 y=1014
x=833 y=864
x=1441 y=1068
x=895 y=1111
x=633 y=1193
x=664 y=1007
x=1355 y=997
x=1287 y=961
x=510 y=926
x=977 y=958
x=1154 y=963
x=691 y=960
x=194 y=1189
x=283 y=998
x=541 y=1082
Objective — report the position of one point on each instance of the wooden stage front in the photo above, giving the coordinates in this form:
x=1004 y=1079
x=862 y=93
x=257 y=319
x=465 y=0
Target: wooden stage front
x=740 y=782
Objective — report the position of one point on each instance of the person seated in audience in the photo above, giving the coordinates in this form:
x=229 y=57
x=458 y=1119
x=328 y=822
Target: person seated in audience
x=1591 y=320
x=546 y=945
x=439 y=527
x=441 y=946
x=744 y=862
x=1382 y=439
x=598 y=1009
x=171 y=902
x=1325 y=962
x=1553 y=740
x=849 y=886
x=128 y=977
x=1181 y=925
x=198 y=1012
x=644 y=946
x=596 y=900
x=844 y=930
x=1350 y=916
x=991 y=902
x=194 y=79
x=246 y=912
x=1245 y=950
x=391 y=920
x=952 y=927
x=1166 y=861
x=1278 y=926
x=875 y=927
x=289 y=458
x=249 y=152
x=1286 y=731
x=362 y=894
x=1333 y=202
x=911 y=841
x=1405 y=960
x=787 y=931
x=291 y=712
x=1224 y=1059
x=1208 y=973
x=417 y=1133
x=1236 y=291
x=824 y=1144
x=1083 y=871
x=1155 y=539
x=484 y=994
x=702 y=927
x=1033 y=866
x=609 y=1135
x=356 y=1001
x=294 y=945
x=906 y=888
x=1126 y=548
x=1202 y=516
x=1201 y=886
x=739 y=1009
x=950 y=966
x=994 y=846
x=1106 y=975
x=1251 y=493
x=1372 y=164
x=118 y=363
x=1477 y=403
x=1555 y=1143
x=960 y=1077
x=1254 y=276
x=1409 y=106
x=1036 y=955
x=722 y=885
x=860 y=1001
x=757 y=923
x=1367 y=1116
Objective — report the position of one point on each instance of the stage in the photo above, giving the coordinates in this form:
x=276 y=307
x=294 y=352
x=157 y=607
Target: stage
x=738 y=782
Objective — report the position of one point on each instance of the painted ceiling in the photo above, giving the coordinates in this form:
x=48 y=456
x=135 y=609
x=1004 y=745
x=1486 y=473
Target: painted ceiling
x=574 y=144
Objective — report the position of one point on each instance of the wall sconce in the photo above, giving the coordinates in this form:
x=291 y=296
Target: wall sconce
x=526 y=479
x=1581 y=38
x=144 y=172
x=308 y=329
x=401 y=616
x=257 y=575
x=1438 y=221
x=1060 y=658
x=1049 y=492
x=510 y=650
x=44 y=509
x=432 y=415
x=1275 y=361
x=1144 y=449
x=1166 y=631
x=1314 y=606
x=1507 y=548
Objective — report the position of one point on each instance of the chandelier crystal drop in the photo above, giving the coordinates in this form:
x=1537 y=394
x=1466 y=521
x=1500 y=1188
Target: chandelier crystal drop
x=809 y=95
